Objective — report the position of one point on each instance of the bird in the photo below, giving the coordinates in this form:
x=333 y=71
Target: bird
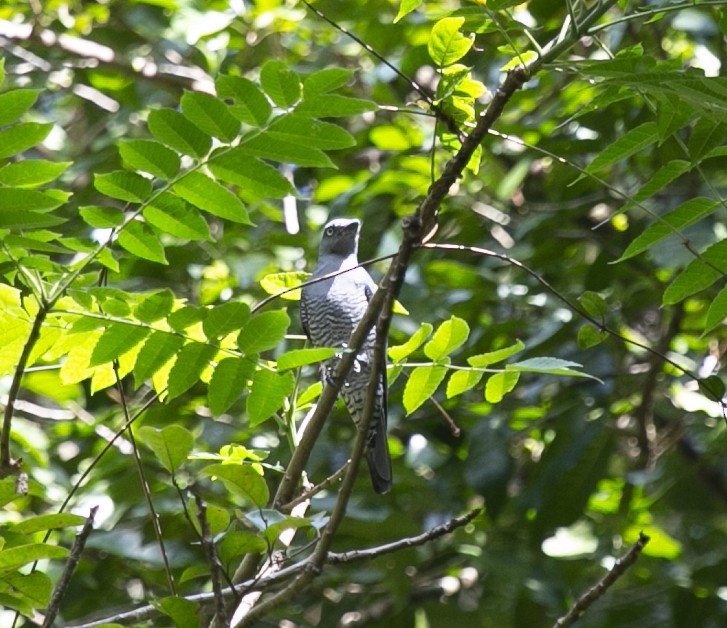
x=329 y=311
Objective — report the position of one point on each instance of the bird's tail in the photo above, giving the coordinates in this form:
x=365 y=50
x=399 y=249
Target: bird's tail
x=379 y=461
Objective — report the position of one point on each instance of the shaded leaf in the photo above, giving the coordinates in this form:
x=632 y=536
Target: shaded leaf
x=211 y=197
x=172 y=215
x=249 y=103
x=268 y=393
x=210 y=115
x=241 y=480
x=225 y=318
x=151 y=157
x=251 y=174
x=158 y=349
x=228 y=381
x=172 y=129
x=138 y=239
x=122 y=185
x=280 y=83
x=699 y=274
x=263 y=331
x=171 y=444
x=191 y=361
x=21 y=137
x=117 y=339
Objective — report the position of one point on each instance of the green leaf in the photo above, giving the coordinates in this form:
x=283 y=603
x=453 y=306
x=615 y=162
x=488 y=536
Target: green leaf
x=712 y=387
x=422 y=384
x=717 y=311
x=499 y=385
x=686 y=214
x=122 y=185
x=628 y=144
x=699 y=274
x=446 y=44
x=589 y=336
x=36 y=588
x=301 y=357
x=280 y=83
x=17 y=200
x=594 y=304
x=14 y=557
x=158 y=349
x=661 y=178
x=186 y=317
x=172 y=215
x=238 y=543
x=117 y=339
x=191 y=361
x=399 y=352
x=334 y=106
x=210 y=115
x=326 y=80
x=171 y=444
x=268 y=393
x=138 y=239
x=241 y=480
x=462 y=381
x=210 y=196
x=250 y=105
x=151 y=157
x=21 y=220
x=42 y=523
x=493 y=357
x=273 y=283
x=449 y=336
x=15 y=103
x=706 y=135
x=225 y=318
x=101 y=217
x=20 y=137
x=251 y=174
x=183 y=613
x=269 y=147
x=406 y=7
x=298 y=129
x=227 y=383
x=155 y=306
x=263 y=331
x=175 y=131
x=547 y=365
x=32 y=172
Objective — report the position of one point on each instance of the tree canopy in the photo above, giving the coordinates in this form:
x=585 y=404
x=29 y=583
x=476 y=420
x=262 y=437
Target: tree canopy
x=541 y=187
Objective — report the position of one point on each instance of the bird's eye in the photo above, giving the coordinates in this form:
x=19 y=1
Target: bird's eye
x=329 y=231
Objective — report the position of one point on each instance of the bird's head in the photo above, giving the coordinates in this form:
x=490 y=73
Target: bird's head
x=340 y=237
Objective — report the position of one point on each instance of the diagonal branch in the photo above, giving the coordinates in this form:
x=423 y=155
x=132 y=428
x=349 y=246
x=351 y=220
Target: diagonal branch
x=598 y=589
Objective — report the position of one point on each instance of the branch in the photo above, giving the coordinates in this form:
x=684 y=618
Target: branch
x=145 y=613
x=597 y=590
x=8 y=466
x=212 y=560
x=71 y=564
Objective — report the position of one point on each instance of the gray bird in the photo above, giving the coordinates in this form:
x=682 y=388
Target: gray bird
x=330 y=310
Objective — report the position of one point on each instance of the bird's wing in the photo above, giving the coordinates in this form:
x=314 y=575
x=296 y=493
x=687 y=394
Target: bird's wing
x=304 y=317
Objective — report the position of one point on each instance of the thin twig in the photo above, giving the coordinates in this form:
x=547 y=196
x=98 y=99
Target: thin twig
x=60 y=590
x=597 y=590
x=212 y=560
x=146 y=490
